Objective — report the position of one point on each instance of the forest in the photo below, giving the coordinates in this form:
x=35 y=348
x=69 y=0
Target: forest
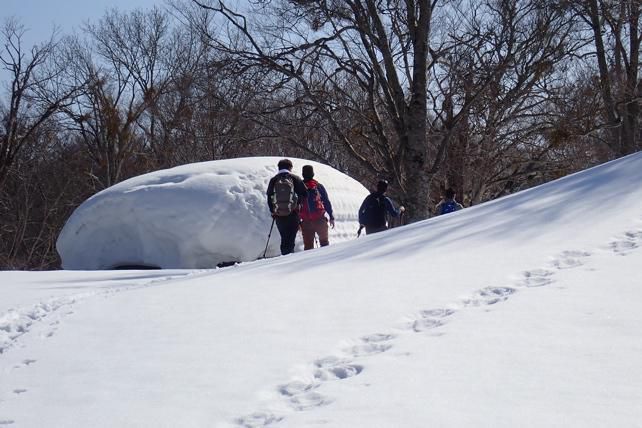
x=485 y=97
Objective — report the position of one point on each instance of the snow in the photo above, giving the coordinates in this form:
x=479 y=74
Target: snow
x=194 y=216
x=520 y=312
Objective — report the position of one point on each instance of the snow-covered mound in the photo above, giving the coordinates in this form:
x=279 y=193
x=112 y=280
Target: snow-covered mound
x=193 y=216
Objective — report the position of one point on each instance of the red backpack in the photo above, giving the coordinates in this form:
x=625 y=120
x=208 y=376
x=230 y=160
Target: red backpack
x=312 y=209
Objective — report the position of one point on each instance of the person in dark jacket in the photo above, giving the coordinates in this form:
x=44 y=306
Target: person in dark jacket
x=313 y=213
x=373 y=210
x=286 y=212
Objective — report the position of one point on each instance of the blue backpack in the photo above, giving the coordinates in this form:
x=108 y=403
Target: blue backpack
x=448 y=207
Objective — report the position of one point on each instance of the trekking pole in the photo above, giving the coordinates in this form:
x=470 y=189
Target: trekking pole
x=269 y=236
x=359 y=231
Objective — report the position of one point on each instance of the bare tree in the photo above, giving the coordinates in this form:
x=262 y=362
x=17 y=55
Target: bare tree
x=617 y=33
x=502 y=144
x=38 y=196
x=419 y=80
x=122 y=76
x=311 y=45
x=36 y=91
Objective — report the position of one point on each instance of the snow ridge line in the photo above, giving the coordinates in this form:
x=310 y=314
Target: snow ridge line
x=303 y=394
x=17 y=322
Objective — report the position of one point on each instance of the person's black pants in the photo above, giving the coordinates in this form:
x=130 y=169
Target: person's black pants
x=288 y=227
x=375 y=229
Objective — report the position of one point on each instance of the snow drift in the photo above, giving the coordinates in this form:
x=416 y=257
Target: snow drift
x=193 y=216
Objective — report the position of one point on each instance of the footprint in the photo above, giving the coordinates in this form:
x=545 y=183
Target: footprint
x=634 y=235
x=490 y=296
x=296 y=388
x=6 y=422
x=430 y=319
x=622 y=248
x=19 y=391
x=570 y=259
x=332 y=368
x=302 y=395
x=378 y=337
x=367 y=349
x=537 y=278
x=338 y=372
x=630 y=242
x=24 y=363
x=426 y=324
x=259 y=419
x=309 y=400
x=437 y=313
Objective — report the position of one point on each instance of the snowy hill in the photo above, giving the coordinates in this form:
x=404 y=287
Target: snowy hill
x=520 y=312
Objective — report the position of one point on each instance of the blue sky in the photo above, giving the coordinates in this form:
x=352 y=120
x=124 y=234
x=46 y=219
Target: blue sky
x=40 y=16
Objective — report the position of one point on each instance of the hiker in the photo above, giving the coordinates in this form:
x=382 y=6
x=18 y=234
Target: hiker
x=373 y=210
x=313 y=212
x=448 y=203
x=285 y=193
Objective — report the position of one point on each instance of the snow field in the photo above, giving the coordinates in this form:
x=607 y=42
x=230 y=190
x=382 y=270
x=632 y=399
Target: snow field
x=520 y=312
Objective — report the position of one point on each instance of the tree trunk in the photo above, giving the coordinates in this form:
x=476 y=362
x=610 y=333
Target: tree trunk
x=416 y=194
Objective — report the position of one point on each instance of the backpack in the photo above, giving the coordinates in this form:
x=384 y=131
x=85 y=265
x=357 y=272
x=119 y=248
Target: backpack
x=448 y=207
x=285 y=198
x=313 y=209
x=373 y=213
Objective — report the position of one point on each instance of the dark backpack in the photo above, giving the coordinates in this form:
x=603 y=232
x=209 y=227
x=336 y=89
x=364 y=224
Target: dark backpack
x=313 y=209
x=448 y=207
x=373 y=213
x=285 y=198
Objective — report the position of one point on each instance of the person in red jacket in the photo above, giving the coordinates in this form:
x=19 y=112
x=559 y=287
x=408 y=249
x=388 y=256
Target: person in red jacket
x=315 y=212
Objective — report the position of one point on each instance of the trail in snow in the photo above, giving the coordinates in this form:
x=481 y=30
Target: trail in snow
x=18 y=321
x=306 y=395
x=47 y=315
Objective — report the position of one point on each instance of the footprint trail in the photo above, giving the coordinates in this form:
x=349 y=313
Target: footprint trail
x=352 y=359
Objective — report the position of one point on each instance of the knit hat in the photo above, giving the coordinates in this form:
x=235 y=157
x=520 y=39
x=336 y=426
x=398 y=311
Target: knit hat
x=307 y=172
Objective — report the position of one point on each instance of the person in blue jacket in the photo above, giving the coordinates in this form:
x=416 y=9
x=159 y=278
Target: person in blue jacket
x=448 y=204
x=373 y=210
